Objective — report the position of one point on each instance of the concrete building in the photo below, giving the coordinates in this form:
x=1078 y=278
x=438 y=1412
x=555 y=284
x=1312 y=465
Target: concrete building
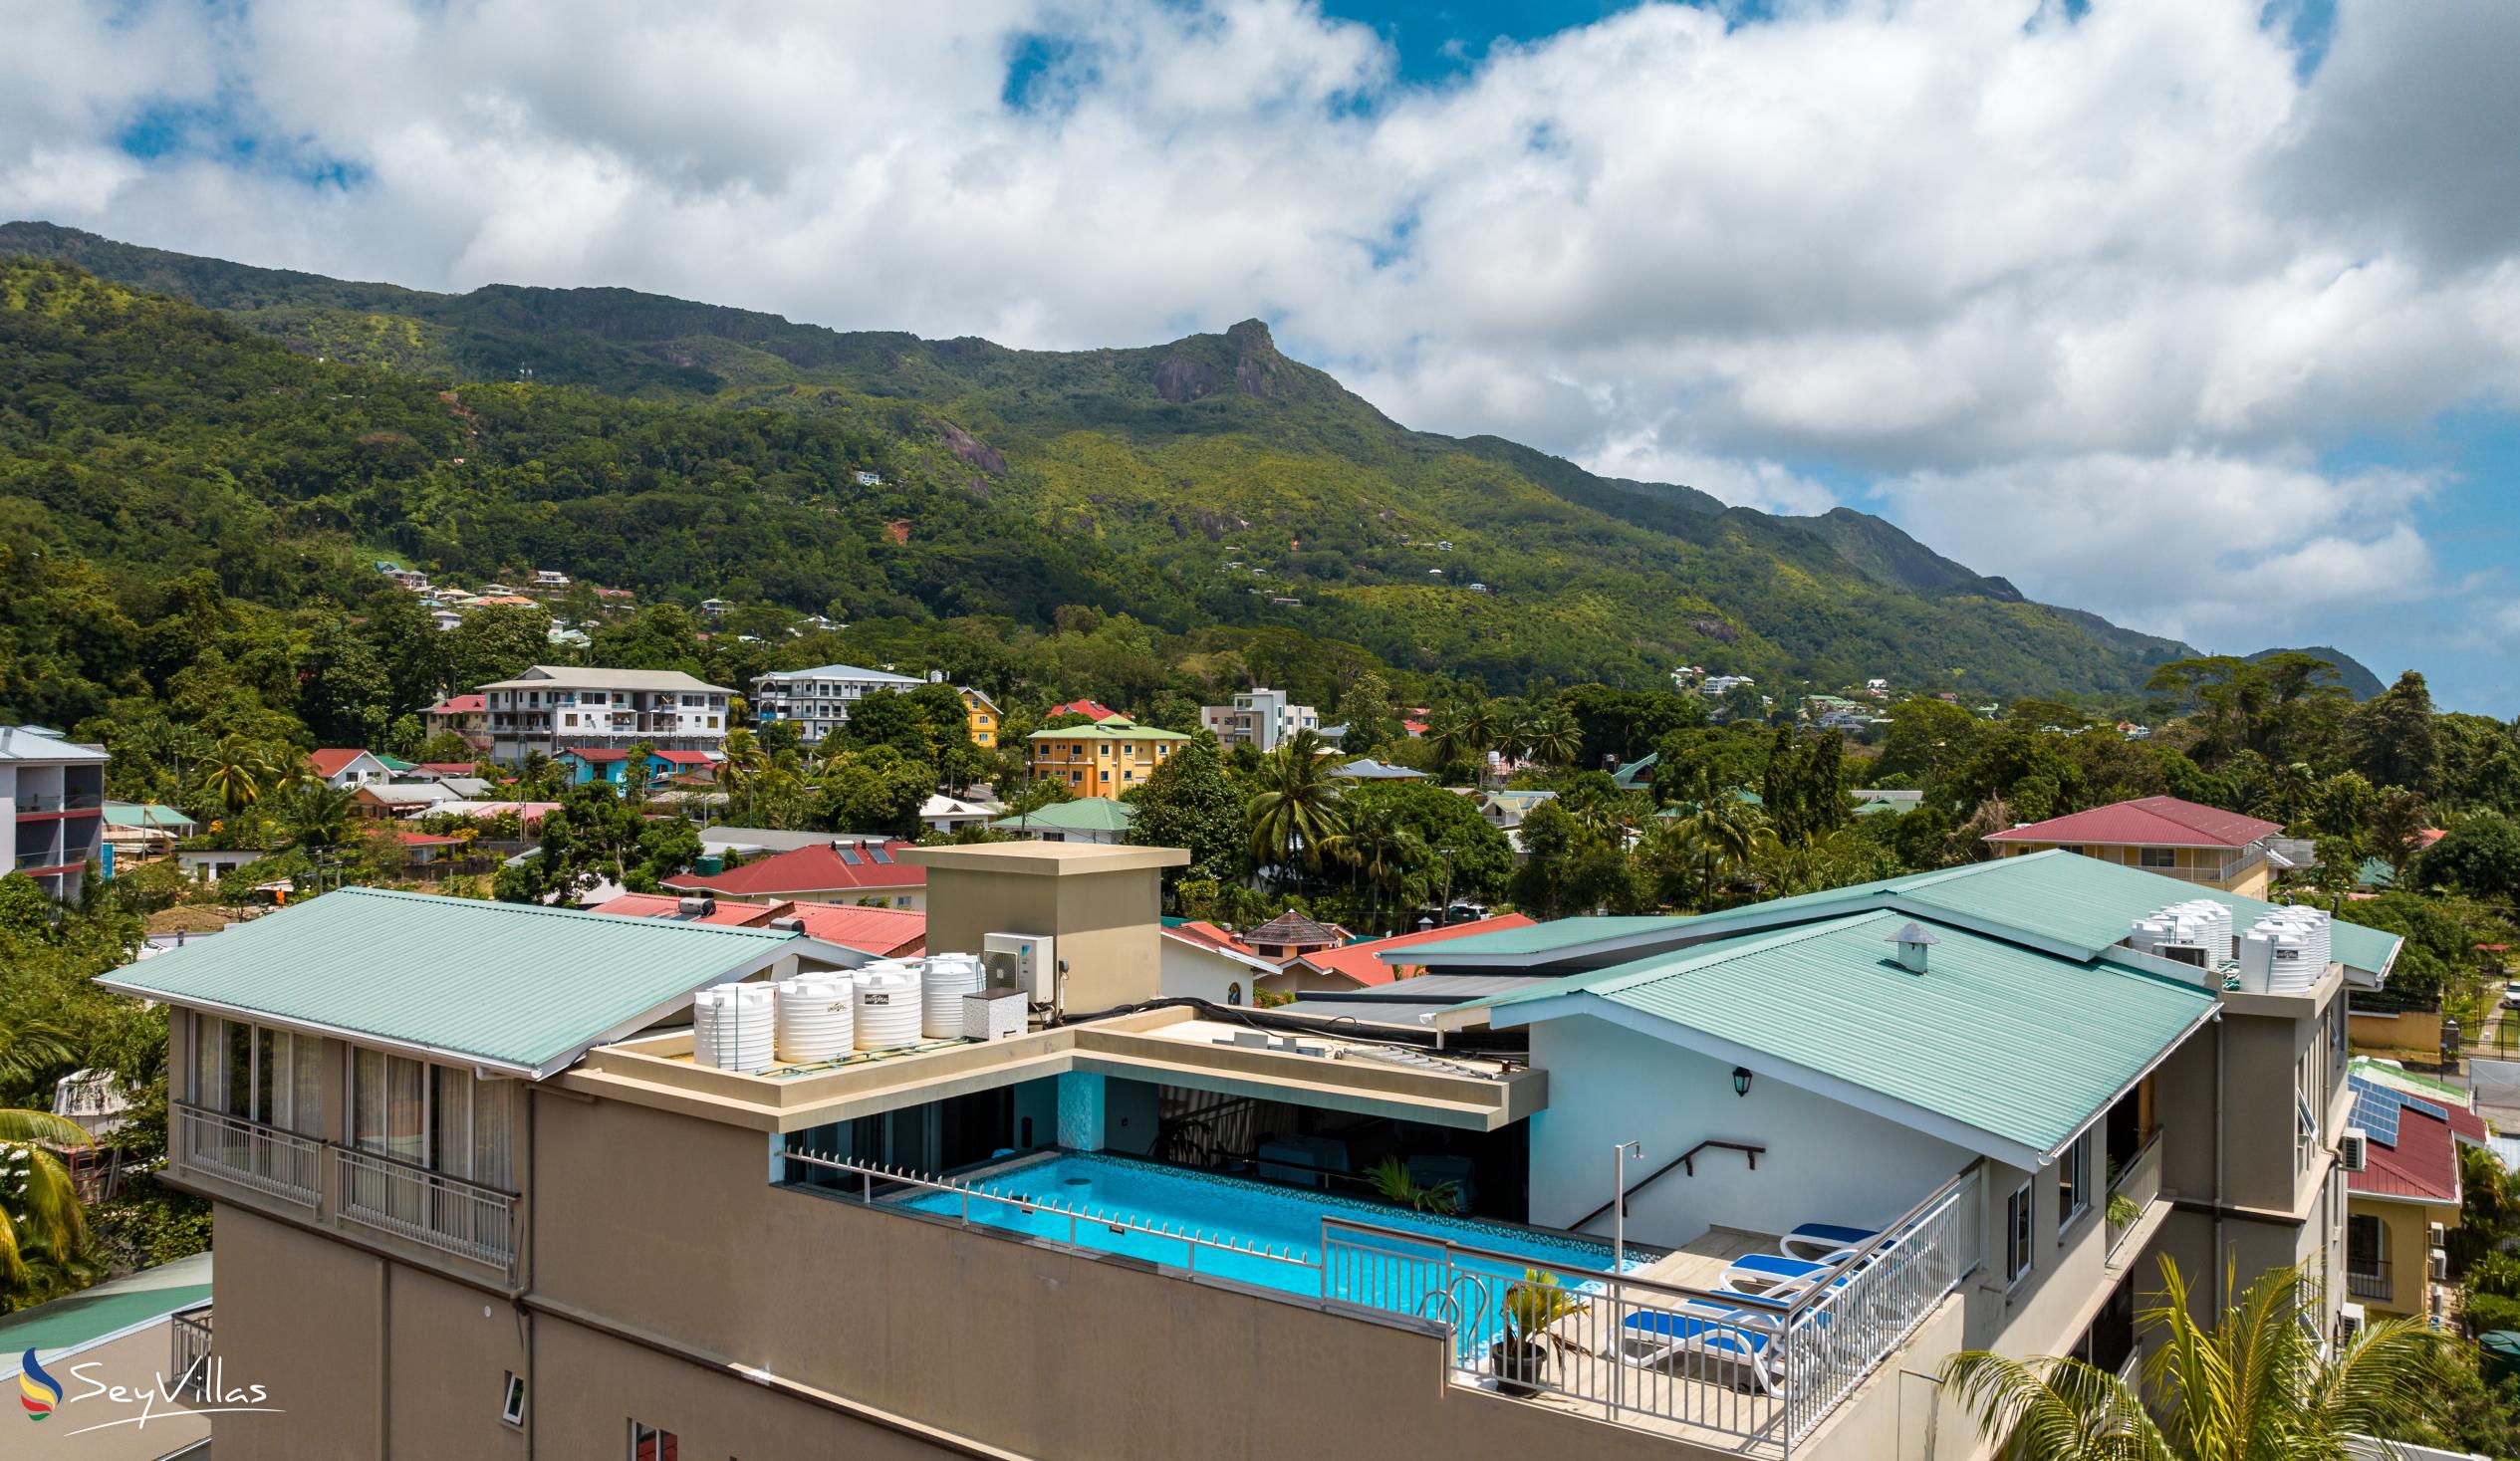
x=51 y=791
x=984 y=716
x=550 y=708
x=2164 y=834
x=477 y=1193
x=1262 y=719
x=817 y=700
x=1102 y=759
x=467 y=716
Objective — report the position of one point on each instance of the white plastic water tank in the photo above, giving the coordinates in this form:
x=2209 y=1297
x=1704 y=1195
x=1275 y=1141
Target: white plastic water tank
x=948 y=978
x=732 y=1027
x=888 y=1011
x=817 y=1017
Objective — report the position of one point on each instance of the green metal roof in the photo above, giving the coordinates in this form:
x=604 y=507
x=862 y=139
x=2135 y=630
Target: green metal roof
x=2063 y=897
x=94 y=1314
x=1084 y=813
x=1117 y=728
x=2007 y=1040
x=523 y=988
x=147 y=814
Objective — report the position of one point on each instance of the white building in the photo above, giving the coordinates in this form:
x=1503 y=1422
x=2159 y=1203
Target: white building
x=1718 y=684
x=51 y=791
x=818 y=699
x=550 y=579
x=1262 y=719
x=550 y=708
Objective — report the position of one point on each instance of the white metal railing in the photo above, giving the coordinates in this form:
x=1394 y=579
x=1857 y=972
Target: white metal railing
x=446 y=1213
x=190 y=1339
x=1047 y=1219
x=1893 y=1281
x=2139 y=1182
x=251 y=1155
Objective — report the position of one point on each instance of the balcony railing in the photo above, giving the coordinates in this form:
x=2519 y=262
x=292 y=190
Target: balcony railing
x=2139 y=1180
x=446 y=1213
x=187 y=1363
x=2368 y=1278
x=74 y=802
x=451 y=1214
x=281 y=1164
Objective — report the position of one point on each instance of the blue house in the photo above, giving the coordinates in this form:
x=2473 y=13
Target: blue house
x=595 y=763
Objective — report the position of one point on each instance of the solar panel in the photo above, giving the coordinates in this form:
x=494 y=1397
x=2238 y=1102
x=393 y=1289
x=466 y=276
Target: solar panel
x=2378 y=1108
x=849 y=856
x=877 y=851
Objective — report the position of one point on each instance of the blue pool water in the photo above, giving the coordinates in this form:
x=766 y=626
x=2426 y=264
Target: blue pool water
x=1284 y=1219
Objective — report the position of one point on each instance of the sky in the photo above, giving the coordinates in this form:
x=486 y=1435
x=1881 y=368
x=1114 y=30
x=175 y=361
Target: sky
x=2204 y=317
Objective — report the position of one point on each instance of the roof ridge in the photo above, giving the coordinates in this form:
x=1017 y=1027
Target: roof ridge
x=1709 y=958
x=545 y=910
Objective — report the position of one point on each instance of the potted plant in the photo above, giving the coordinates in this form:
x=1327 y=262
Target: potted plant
x=1530 y=1308
x=1392 y=1183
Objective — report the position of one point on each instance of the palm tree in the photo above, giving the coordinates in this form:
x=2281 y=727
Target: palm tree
x=1448 y=735
x=744 y=764
x=235 y=772
x=1295 y=817
x=2254 y=1385
x=39 y=1204
x=315 y=816
x=1553 y=735
x=1385 y=850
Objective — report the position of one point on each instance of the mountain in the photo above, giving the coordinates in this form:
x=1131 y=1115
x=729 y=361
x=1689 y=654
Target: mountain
x=2351 y=672
x=689 y=450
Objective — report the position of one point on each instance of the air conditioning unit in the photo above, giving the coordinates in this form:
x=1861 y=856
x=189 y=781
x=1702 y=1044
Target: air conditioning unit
x=2352 y=1148
x=2350 y=1322
x=1025 y=961
x=2437 y=1264
x=2435 y=1235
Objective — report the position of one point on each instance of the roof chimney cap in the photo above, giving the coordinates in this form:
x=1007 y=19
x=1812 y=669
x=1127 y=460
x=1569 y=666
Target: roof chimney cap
x=1912 y=939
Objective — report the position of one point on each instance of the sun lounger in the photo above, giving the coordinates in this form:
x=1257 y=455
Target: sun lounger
x=1700 y=1341
x=1824 y=1241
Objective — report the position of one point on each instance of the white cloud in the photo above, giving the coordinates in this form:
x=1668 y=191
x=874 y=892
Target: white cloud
x=1955 y=244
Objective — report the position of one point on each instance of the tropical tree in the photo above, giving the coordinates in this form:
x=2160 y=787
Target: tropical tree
x=2254 y=1385
x=315 y=816
x=1384 y=850
x=235 y=773
x=1553 y=736
x=1295 y=817
x=40 y=1215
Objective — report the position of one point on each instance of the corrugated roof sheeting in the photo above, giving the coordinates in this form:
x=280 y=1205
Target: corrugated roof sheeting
x=505 y=983
x=2019 y=1044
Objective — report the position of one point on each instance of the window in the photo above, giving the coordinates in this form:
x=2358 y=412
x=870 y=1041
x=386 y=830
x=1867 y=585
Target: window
x=436 y=1117
x=2074 y=847
x=2072 y=1184
x=648 y=1443
x=266 y=1076
x=2017 y=1209
x=512 y=1399
x=2158 y=857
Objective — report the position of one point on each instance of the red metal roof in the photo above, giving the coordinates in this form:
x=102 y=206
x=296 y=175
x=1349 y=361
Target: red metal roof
x=658 y=905
x=1093 y=708
x=331 y=759
x=412 y=839
x=2424 y=1164
x=1357 y=962
x=685 y=758
x=2151 y=822
x=452 y=768
x=817 y=869
x=593 y=754
x=884 y=932
x=459 y=705
x=1201 y=932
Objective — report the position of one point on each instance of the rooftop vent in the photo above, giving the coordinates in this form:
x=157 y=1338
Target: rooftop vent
x=1913 y=941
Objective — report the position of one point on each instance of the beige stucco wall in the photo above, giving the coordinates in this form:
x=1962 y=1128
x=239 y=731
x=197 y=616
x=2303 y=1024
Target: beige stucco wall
x=2407 y=1246
x=1104 y=923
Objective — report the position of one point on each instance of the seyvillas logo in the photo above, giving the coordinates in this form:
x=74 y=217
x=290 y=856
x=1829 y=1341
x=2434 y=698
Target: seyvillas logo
x=38 y=1392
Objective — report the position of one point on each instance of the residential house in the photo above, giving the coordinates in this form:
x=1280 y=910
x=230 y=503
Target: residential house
x=883 y=933
x=950 y=815
x=585 y=764
x=984 y=713
x=837 y=869
x=1362 y=965
x=817 y=700
x=1082 y=820
x=1506 y=809
x=1365 y=768
x=1262 y=719
x=1094 y=710
x=2164 y=834
x=1716 y=686
x=715 y=607
x=489 y=1124
x=550 y=708
x=2407 y=1193
x=143 y=832
x=550 y=579
x=1637 y=775
x=1198 y=960
x=1291 y=935
x=1102 y=759
x=52 y=793
x=381 y=798
x=346 y=766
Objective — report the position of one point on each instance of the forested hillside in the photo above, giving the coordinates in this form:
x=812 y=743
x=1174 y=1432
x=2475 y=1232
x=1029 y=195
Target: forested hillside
x=298 y=427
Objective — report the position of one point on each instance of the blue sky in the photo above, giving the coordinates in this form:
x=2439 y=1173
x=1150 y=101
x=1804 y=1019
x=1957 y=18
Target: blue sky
x=2203 y=317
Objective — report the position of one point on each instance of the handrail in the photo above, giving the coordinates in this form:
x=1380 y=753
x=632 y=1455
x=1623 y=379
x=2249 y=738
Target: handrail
x=1864 y=1251
x=1686 y=1158
x=872 y=1172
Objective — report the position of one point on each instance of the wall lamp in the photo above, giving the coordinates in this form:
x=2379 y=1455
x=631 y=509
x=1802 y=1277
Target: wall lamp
x=1741 y=1080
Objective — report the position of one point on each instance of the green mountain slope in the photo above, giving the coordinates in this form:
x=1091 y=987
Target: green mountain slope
x=2355 y=677
x=687 y=450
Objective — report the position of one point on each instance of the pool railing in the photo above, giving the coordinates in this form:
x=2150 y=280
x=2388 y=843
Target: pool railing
x=895 y=1180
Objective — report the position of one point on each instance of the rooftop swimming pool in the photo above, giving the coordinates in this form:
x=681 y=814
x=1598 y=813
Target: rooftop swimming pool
x=1075 y=1190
